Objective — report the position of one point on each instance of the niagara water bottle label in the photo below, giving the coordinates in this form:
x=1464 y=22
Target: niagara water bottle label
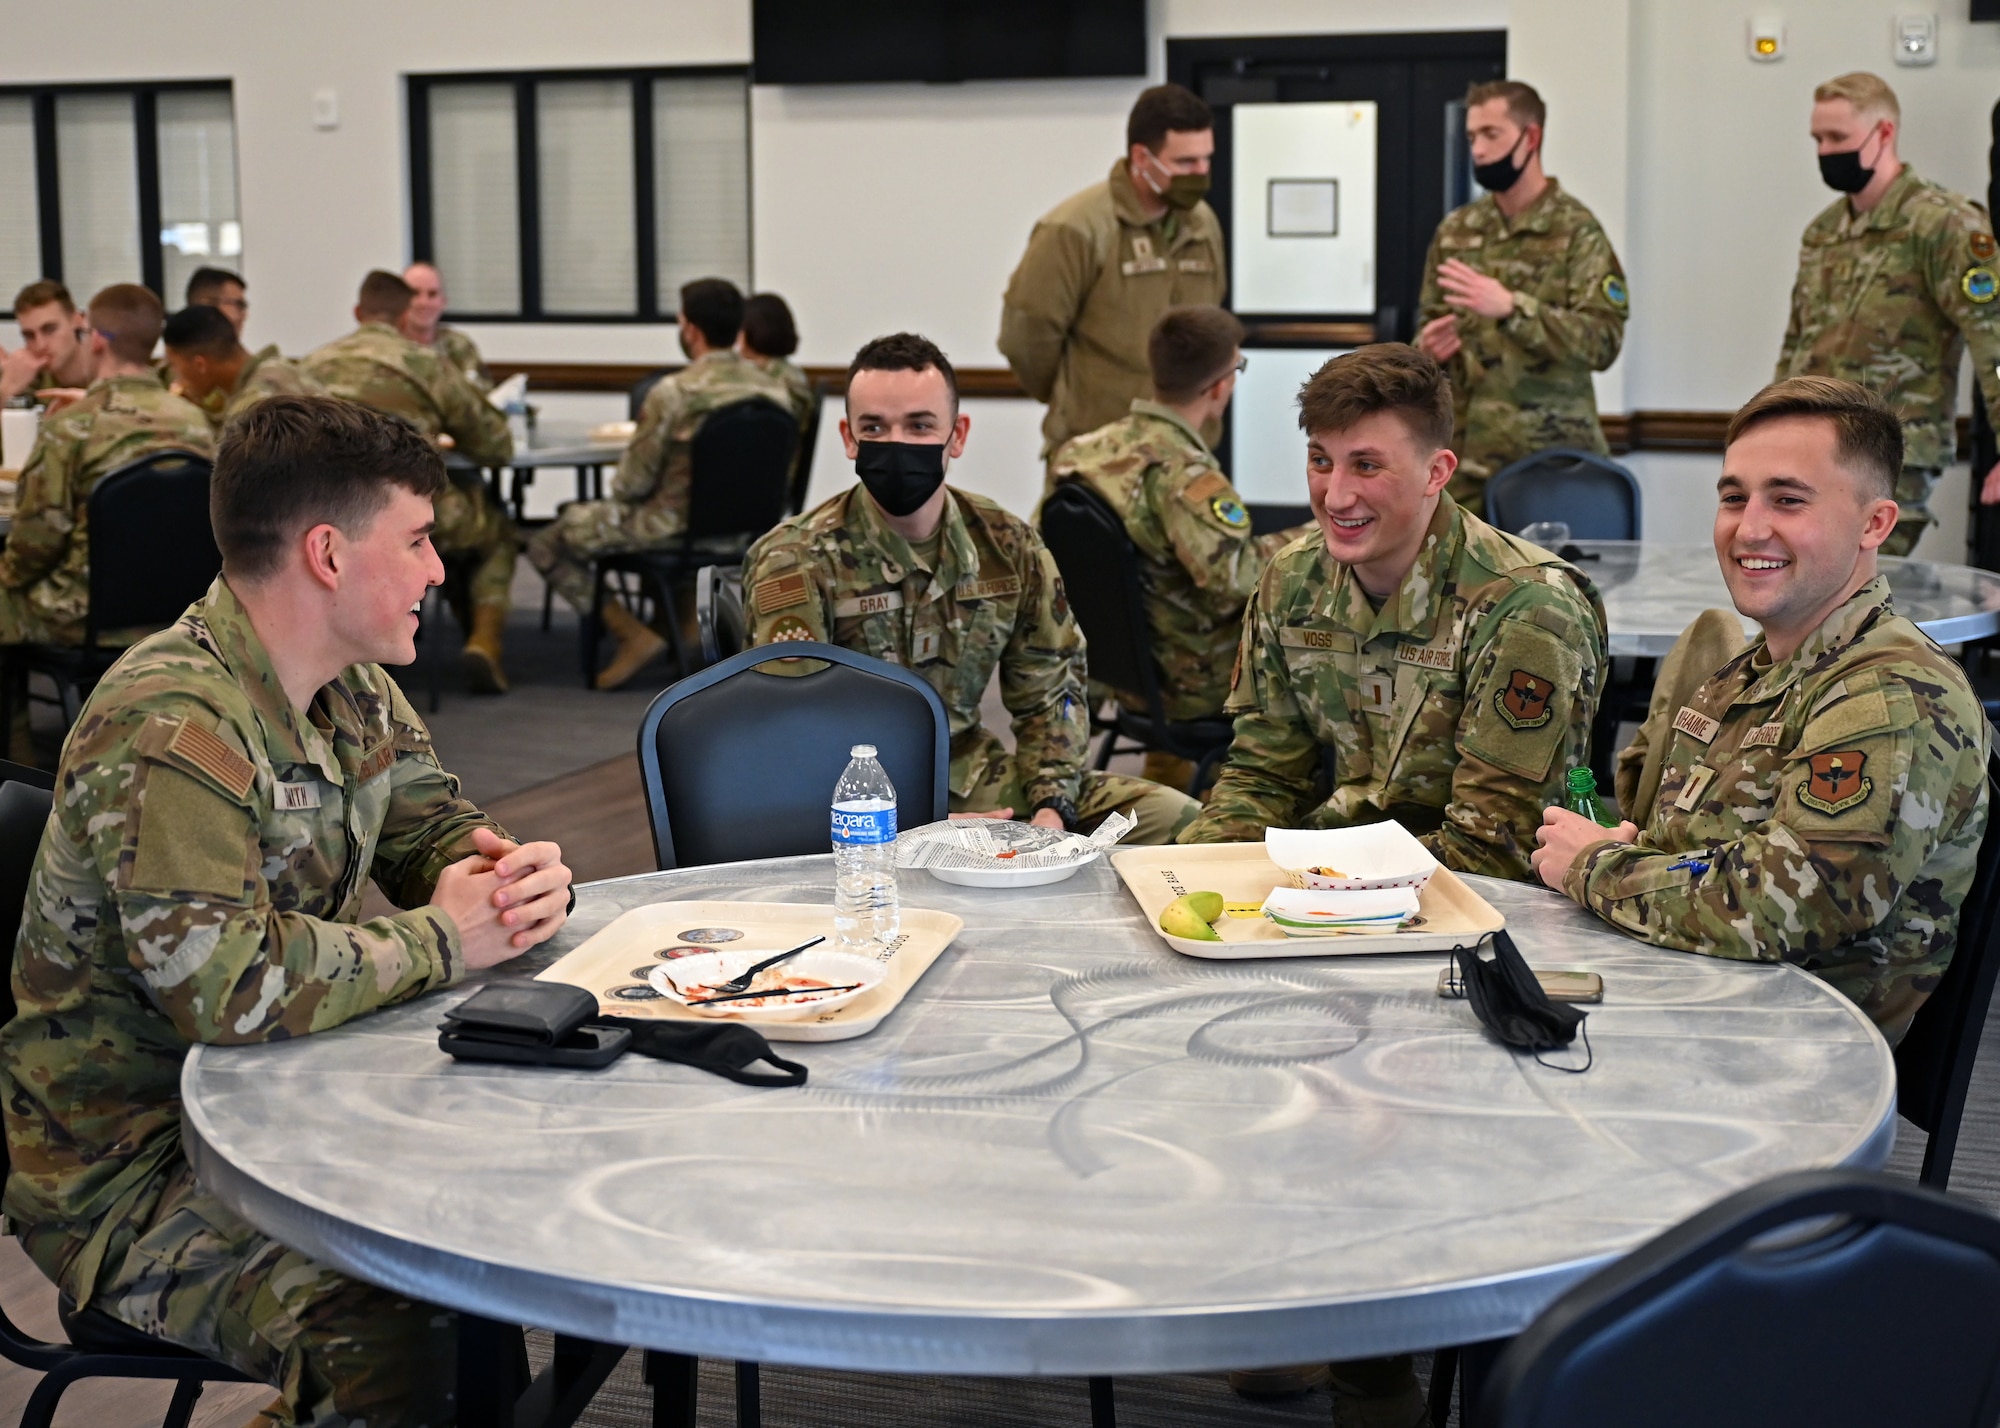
x=864 y=825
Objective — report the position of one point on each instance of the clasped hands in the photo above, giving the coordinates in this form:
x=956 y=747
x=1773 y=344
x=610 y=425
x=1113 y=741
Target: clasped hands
x=1470 y=290
x=505 y=897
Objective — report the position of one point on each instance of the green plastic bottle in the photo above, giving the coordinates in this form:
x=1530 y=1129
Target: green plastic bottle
x=1583 y=798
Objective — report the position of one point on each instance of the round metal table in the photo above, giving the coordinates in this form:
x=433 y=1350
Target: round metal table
x=1653 y=591
x=1071 y=1151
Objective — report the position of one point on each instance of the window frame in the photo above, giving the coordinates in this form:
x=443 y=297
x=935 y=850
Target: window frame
x=650 y=309
x=145 y=95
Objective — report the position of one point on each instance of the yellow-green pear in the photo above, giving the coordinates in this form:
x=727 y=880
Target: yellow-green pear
x=1207 y=905
x=1179 y=919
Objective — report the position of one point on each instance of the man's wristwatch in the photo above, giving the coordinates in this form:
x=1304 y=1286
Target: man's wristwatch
x=1064 y=808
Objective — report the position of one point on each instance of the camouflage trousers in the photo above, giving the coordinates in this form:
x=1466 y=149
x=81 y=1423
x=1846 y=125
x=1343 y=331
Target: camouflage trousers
x=22 y=624
x=584 y=530
x=1162 y=812
x=472 y=526
x=338 y=1351
x=1914 y=485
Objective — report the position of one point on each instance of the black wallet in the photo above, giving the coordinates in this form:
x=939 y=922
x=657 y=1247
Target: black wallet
x=531 y=1024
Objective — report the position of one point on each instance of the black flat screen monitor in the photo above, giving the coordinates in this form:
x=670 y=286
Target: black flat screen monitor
x=942 y=41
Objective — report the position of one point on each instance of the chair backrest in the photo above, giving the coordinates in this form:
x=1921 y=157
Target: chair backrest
x=152 y=549
x=1593 y=495
x=25 y=800
x=1888 y=1313
x=741 y=764
x=635 y=400
x=1106 y=589
x=802 y=469
x=718 y=611
x=1934 y=1059
x=740 y=466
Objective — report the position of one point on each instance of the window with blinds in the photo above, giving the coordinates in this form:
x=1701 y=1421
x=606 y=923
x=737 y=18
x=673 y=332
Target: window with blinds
x=117 y=184
x=585 y=196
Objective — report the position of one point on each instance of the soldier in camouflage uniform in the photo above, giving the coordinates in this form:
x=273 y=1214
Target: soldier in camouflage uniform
x=125 y=414
x=1456 y=700
x=1523 y=299
x=648 y=508
x=1896 y=279
x=54 y=350
x=978 y=593
x=1102 y=265
x=420 y=324
x=212 y=369
x=1200 y=560
x=229 y=790
x=769 y=339
x=1823 y=794
x=378 y=367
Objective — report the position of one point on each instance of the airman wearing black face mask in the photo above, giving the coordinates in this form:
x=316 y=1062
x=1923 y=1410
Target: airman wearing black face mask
x=1896 y=278
x=1523 y=299
x=1103 y=267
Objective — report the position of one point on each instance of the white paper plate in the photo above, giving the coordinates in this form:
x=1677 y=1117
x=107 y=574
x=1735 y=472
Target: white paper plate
x=1379 y=855
x=1002 y=876
x=838 y=969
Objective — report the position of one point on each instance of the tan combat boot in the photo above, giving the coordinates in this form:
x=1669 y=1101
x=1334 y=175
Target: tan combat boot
x=637 y=643
x=480 y=659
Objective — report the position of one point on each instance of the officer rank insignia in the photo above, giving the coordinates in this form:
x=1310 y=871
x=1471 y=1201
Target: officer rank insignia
x=1230 y=512
x=1614 y=291
x=1982 y=245
x=1979 y=284
x=1834 y=782
x=1524 y=703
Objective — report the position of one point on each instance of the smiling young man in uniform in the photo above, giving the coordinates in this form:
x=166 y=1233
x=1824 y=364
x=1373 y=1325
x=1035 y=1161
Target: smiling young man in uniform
x=1823 y=793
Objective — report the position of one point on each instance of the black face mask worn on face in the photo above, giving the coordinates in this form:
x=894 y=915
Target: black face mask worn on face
x=1843 y=172
x=1511 y=1004
x=1503 y=173
x=900 y=475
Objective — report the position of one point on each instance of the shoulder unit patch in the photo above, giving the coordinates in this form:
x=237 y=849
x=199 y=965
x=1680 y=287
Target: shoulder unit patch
x=1834 y=782
x=1979 y=284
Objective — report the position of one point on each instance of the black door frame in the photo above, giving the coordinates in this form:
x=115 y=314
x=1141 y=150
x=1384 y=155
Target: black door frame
x=1409 y=197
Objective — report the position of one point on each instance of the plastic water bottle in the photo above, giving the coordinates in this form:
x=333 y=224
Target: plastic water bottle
x=866 y=913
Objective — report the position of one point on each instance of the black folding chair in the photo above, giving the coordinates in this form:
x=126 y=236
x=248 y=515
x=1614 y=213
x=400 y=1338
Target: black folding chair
x=1106 y=587
x=1597 y=498
x=739 y=763
x=795 y=500
x=741 y=463
x=152 y=554
x=1827 y=1297
x=1935 y=1057
x=99 y=1346
x=718 y=612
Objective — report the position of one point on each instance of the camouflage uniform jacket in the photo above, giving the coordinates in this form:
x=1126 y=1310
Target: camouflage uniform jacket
x=1095 y=279
x=1891 y=297
x=1824 y=810
x=657 y=469
x=268 y=375
x=798 y=386
x=378 y=367
x=201 y=882
x=119 y=420
x=1200 y=560
x=459 y=350
x=1457 y=709
x=839 y=575
x=1522 y=383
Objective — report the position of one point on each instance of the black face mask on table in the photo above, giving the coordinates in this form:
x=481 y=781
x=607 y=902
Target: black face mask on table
x=1843 y=172
x=900 y=475
x=1510 y=1002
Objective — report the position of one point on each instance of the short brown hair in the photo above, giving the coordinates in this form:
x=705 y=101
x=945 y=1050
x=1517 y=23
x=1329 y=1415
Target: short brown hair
x=1189 y=348
x=1524 y=105
x=130 y=318
x=290 y=463
x=1166 y=108
x=1867 y=437
x=768 y=328
x=1381 y=377
x=715 y=307
x=1868 y=93
x=41 y=294
x=904 y=352
x=384 y=297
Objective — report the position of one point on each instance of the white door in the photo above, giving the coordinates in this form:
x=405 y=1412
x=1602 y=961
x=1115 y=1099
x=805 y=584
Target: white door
x=1303 y=197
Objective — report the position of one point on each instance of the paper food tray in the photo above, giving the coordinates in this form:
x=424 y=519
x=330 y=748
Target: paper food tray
x=1452 y=913
x=606 y=963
